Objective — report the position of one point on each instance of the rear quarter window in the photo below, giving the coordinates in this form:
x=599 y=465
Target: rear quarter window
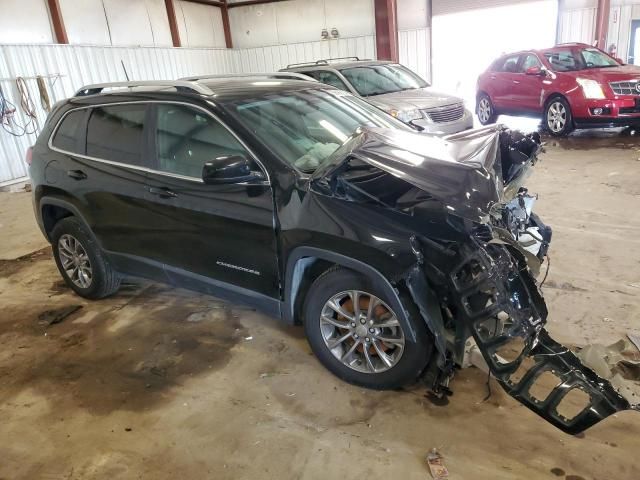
x=67 y=136
x=116 y=133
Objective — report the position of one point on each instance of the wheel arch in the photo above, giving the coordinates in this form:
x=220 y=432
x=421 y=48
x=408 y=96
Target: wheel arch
x=53 y=209
x=303 y=265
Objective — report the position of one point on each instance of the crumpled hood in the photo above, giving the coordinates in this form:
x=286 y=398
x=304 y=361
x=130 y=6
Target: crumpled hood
x=468 y=172
x=419 y=98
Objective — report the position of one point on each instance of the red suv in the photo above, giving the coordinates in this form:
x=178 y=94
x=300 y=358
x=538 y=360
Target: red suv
x=570 y=85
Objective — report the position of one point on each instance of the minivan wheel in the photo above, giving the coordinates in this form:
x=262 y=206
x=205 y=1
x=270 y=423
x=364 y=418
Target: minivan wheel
x=80 y=261
x=357 y=335
x=557 y=117
x=485 y=111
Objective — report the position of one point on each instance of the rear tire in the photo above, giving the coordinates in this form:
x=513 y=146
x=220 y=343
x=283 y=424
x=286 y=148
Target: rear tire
x=558 y=120
x=363 y=358
x=485 y=110
x=81 y=262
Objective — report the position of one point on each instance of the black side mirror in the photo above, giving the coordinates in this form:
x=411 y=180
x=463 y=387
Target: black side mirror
x=227 y=170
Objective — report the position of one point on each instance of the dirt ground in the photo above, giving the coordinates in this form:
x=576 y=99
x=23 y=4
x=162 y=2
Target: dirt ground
x=157 y=382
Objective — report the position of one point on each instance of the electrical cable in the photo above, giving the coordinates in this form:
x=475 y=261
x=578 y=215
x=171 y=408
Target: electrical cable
x=7 y=112
x=28 y=107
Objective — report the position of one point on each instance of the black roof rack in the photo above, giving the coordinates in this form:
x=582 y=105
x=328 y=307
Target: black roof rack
x=325 y=61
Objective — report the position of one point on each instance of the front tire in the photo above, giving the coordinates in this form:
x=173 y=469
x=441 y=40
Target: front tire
x=358 y=337
x=81 y=262
x=485 y=110
x=558 y=119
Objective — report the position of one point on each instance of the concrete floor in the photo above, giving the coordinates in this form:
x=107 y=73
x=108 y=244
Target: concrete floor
x=157 y=382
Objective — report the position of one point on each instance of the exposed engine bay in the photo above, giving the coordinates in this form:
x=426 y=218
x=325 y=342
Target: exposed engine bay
x=479 y=250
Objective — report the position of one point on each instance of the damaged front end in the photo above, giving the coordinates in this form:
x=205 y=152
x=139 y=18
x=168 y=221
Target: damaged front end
x=476 y=278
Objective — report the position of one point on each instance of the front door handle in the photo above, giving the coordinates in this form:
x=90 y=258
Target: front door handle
x=162 y=192
x=77 y=174
x=517 y=82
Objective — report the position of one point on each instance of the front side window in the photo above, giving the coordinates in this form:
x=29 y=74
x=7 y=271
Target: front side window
x=116 y=133
x=594 y=58
x=379 y=79
x=530 y=61
x=304 y=127
x=187 y=138
x=67 y=136
x=329 y=78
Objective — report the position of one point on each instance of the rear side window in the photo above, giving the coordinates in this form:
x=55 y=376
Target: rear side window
x=562 y=60
x=510 y=64
x=67 y=137
x=186 y=138
x=329 y=78
x=115 y=133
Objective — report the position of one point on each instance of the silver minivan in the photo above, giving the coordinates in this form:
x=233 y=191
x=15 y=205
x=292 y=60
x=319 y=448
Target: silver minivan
x=394 y=89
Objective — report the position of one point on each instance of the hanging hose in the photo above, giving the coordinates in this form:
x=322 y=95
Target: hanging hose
x=45 y=101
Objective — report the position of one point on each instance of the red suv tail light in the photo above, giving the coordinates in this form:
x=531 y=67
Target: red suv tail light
x=29 y=156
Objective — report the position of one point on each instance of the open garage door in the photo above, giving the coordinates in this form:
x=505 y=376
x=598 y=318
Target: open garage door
x=469 y=34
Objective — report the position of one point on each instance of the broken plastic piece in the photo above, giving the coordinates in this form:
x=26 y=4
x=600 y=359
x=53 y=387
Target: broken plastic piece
x=436 y=465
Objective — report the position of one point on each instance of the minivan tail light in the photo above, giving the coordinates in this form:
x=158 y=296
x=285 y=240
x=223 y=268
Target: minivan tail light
x=29 y=156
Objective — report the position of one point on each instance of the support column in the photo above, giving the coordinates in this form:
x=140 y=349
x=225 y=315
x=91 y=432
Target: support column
x=225 y=24
x=386 y=29
x=57 y=21
x=173 y=23
x=602 y=23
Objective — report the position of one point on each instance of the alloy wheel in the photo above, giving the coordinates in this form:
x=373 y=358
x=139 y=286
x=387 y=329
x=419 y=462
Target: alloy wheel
x=75 y=261
x=362 y=331
x=484 y=110
x=556 y=117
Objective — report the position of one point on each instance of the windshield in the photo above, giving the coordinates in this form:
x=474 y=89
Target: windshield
x=568 y=60
x=379 y=79
x=305 y=127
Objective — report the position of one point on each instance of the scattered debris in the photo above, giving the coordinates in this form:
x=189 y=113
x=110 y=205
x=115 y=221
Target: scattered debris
x=635 y=339
x=248 y=338
x=436 y=465
x=619 y=363
x=51 y=317
x=127 y=429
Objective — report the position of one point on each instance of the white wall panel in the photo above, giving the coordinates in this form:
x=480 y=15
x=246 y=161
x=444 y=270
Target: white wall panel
x=85 y=22
x=24 y=21
x=253 y=26
x=413 y=14
x=128 y=22
x=82 y=65
x=415 y=51
x=352 y=18
x=159 y=22
x=299 y=21
x=576 y=25
x=199 y=25
x=275 y=57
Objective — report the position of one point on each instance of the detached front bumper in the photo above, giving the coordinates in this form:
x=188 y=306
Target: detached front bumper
x=502 y=307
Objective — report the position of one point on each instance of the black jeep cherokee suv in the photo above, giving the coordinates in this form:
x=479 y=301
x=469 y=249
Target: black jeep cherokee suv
x=396 y=250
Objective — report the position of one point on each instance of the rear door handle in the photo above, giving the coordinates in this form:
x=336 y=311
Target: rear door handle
x=77 y=174
x=516 y=82
x=162 y=192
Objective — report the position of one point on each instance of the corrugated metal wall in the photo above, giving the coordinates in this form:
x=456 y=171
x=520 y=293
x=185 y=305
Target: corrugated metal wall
x=82 y=65
x=576 y=25
x=415 y=51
